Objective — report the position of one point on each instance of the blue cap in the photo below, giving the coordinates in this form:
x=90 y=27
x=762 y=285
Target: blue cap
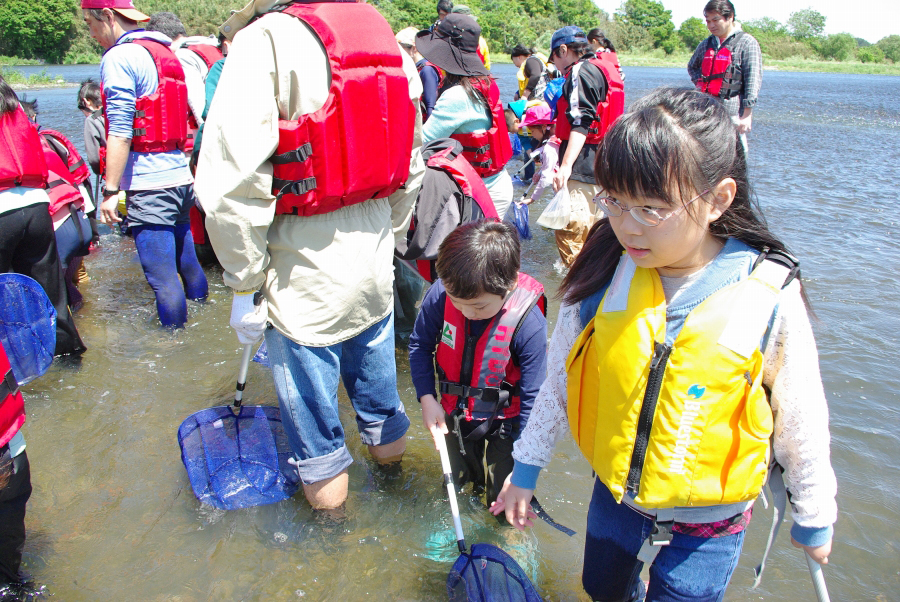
x=567 y=35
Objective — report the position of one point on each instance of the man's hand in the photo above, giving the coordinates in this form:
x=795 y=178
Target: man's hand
x=109 y=213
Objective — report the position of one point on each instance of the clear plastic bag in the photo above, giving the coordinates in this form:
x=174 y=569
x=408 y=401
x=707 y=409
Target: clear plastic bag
x=558 y=212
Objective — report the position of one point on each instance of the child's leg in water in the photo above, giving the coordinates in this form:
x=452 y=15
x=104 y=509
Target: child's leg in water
x=690 y=568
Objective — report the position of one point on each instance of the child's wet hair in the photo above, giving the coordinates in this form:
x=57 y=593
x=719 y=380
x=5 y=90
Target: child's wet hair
x=479 y=257
x=670 y=146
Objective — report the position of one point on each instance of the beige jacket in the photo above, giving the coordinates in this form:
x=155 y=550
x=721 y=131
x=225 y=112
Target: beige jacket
x=326 y=277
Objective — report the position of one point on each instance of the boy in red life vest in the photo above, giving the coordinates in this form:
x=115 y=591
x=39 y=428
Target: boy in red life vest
x=482 y=328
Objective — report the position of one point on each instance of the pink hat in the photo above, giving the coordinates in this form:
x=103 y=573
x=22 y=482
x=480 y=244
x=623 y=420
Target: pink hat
x=537 y=115
x=123 y=7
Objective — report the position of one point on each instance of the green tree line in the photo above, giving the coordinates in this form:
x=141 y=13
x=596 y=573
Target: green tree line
x=53 y=31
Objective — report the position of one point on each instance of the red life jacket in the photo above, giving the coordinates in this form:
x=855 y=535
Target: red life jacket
x=61 y=186
x=210 y=55
x=21 y=156
x=478 y=374
x=358 y=145
x=720 y=76
x=159 y=123
x=12 y=406
x=488 y=151
x=607 y=111
x=77 y=167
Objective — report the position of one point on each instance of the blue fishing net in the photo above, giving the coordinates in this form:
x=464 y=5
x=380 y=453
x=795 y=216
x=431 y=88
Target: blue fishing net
x=27 y=326
x=237 y=460
x=488 y=574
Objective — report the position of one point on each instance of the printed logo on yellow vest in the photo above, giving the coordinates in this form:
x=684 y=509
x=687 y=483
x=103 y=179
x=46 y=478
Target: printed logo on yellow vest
x=685 y=426
x=448 y=335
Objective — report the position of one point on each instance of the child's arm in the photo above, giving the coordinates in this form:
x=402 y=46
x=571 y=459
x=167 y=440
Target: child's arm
x=547 y=423
x=549 y=160
x=801 y=438
x=422 y=344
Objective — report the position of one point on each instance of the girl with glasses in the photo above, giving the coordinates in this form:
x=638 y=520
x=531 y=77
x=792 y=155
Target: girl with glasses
x=683 y=346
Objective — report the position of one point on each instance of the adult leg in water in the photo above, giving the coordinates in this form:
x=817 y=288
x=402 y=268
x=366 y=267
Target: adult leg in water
x=195 y=285
x=156 y=250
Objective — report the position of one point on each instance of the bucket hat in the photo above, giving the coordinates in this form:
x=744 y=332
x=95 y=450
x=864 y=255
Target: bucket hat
x=567 y=35
x=452 y=45
x=123 y=7
x=538 y=115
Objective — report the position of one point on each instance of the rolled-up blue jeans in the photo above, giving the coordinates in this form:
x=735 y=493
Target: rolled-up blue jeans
x=695 y=569
x=306 y=381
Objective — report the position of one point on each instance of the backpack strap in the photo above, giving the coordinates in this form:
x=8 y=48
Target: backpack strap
x=775 y=484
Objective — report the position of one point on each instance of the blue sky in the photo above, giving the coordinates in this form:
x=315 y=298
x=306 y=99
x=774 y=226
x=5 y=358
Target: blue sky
x=867 y=19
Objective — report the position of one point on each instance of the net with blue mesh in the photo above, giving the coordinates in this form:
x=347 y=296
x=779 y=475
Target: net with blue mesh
x=488 y=574
x=27 y=326
x=237 y=459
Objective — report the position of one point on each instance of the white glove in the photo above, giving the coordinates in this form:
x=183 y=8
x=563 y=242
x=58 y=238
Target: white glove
x=247 y=319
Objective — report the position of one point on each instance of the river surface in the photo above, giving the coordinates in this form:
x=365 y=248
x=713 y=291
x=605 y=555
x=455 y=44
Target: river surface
x=113 y=517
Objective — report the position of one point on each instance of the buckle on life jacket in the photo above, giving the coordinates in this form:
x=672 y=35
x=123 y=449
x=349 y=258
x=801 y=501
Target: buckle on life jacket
x=661 y=535
x=296 y=187
x=8 y=386
x=477 y=150
x=139 y=132
x=140 y=113
x=298 y=155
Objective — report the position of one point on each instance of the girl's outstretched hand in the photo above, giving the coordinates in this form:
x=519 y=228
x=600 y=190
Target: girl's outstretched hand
x=819 y=554
x=516 y=502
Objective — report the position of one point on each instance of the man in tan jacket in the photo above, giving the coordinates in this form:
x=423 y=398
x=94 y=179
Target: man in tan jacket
x=326 y=278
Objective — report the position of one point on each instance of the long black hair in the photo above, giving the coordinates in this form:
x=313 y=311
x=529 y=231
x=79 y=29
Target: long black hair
x=452 y=79
x=673 y=143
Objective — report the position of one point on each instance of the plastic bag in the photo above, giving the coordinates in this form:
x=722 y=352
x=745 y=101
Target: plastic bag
x=557 y=213
x=520 y=219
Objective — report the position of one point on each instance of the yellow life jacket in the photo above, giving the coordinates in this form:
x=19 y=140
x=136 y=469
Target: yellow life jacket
x=520 y=75
x=680 y=425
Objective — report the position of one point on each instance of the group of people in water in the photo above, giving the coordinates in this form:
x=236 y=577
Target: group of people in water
x=682 y=360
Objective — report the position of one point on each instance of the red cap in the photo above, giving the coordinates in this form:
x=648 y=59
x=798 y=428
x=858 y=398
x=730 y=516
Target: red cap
x=123 y=7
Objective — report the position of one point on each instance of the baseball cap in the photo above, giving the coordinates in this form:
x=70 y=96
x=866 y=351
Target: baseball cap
x=123 y=7
x=538 y=115
x=567 y=35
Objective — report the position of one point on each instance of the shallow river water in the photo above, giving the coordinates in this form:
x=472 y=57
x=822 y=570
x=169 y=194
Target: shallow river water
x=113 y=517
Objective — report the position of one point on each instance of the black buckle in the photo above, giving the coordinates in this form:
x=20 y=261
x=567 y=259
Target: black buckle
x=298 y=155
x=662 y=533
x=478 y=150
x=461 y=391
x=8 y=385
x=139 y=132
x=296 y=187
x=139 y=114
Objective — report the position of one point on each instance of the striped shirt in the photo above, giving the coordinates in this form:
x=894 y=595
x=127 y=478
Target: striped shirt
x=747 y=56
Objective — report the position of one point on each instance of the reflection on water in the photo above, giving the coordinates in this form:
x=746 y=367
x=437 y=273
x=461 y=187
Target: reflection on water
x=113 y=517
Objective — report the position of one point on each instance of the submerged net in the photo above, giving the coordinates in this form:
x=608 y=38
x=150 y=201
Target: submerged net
x=488 y=574
x=238 y=460
x=27 y=326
